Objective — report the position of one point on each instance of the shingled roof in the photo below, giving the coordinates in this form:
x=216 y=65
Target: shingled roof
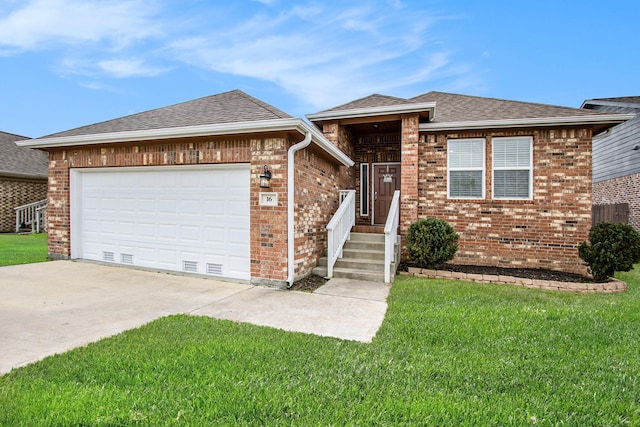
x=19 y=161
x=228 y=107
x=463 y=108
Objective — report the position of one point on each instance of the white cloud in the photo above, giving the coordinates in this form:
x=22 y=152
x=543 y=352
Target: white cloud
x=328 y=57
x=42 y=24
x=129 y=68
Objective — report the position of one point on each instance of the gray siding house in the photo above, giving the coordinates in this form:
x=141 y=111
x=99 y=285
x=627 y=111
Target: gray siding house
x=616 y=157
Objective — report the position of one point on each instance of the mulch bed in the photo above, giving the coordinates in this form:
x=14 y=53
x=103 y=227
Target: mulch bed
x=525 y=273
x=309 y=283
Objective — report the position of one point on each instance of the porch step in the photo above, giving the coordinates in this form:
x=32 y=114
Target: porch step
x=362 y=259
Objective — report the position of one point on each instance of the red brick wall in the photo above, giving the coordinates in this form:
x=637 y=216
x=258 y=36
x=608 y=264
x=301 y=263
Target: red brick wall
x=409 y=172
x=625 y=189
x=268 y=224
x=318 y=181
x=16 y=192
x=541 y=233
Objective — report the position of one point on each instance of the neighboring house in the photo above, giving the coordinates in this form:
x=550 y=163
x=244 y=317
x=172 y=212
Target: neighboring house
x=23 y=178
x=179 y=188
x=616 y=157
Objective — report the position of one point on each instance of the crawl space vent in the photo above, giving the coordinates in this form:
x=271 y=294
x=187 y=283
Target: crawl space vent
x=108 y=256
x=214 y=268
x=126 y=258
x=190 y=266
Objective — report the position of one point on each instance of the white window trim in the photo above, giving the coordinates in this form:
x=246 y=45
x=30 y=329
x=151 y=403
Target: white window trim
x=530 y=169
x=364 y=192
x=484 y=169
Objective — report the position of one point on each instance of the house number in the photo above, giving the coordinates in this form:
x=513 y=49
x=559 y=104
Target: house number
x=268 y=199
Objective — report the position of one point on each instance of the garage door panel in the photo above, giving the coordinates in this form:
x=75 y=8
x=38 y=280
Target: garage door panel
x=163 y=217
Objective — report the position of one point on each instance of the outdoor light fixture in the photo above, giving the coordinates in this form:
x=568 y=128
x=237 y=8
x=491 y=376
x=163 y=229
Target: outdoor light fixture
x=265 y=178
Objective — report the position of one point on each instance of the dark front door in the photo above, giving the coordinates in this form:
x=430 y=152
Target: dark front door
x=386 y=180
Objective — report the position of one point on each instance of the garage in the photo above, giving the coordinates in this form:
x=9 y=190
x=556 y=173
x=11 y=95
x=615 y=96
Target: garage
x=193 y=219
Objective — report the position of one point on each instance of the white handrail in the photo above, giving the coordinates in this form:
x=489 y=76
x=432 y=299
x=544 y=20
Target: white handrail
x=391 y=235
x=339 y=229
x=29 y=214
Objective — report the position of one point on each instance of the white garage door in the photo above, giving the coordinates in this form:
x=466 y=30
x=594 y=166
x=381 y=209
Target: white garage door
x=170 y=218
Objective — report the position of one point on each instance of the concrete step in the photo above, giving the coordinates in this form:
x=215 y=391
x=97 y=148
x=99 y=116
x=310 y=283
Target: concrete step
x=320 y=271
x=374 y=266
x=356 y=274
x=366 y=237
x=355 y=244
x=363 y=254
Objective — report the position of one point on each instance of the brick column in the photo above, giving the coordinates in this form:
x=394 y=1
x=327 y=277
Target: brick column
x=409 y=172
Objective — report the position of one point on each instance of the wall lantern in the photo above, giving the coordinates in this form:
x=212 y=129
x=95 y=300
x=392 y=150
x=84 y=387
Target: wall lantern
x=265 y=178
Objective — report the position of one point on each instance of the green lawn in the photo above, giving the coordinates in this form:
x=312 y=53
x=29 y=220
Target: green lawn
x=449 y=354
x=22 y=248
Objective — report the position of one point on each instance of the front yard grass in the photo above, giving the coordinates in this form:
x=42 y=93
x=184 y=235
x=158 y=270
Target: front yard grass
x=448 y=353
x=22 y=248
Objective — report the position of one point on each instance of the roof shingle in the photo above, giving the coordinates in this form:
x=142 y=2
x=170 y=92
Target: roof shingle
x=16 y=160
x=228 y=107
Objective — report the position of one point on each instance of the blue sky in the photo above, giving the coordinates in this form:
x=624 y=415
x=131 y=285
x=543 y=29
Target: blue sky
x=69 y=63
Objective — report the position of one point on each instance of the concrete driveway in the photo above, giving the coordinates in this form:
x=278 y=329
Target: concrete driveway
x=52 y=307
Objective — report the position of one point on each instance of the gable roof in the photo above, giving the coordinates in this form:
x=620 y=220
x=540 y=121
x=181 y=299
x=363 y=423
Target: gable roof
x=21 y=162
x=228 y=113
x=373 y=105
x=228 y=107
x=457 y=112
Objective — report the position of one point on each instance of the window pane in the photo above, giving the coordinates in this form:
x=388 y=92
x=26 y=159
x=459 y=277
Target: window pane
x=465 y=184
x=364 y=189
x=466 y=153
x=511 y=184
x=511 y=152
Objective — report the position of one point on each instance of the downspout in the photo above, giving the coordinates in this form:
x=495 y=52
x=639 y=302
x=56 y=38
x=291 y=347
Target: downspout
x=290 y=205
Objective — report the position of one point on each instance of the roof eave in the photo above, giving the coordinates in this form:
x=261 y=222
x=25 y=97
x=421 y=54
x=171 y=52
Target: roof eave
x=13 y=174
x=237 y=128
x=372 y=111
x=601 y=119
x=610 y=103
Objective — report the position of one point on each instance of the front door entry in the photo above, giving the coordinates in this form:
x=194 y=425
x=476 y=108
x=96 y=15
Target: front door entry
x=386 y=180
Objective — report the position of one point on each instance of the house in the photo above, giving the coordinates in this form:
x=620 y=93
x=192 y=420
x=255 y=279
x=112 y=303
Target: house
x=23 y=178
x=616 y=157
x=232 y=187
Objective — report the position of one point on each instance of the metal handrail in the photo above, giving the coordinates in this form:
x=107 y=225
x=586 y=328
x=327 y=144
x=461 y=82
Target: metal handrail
x=339 y=228
x=391 y=235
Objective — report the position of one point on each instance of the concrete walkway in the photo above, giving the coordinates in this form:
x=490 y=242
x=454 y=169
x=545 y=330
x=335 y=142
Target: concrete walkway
x=53 y=307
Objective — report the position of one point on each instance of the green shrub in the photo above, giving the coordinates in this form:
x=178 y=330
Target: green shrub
x=431 y=242
x=613 y=247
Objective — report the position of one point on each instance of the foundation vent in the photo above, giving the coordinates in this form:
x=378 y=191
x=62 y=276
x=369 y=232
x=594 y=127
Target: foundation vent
x=126 y=258
x=214 y=268
x=190 y=266
x=108 y=256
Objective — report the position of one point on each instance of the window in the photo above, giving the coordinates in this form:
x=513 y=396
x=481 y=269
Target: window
x=512 y=171
x=465 y=161
x=364 y=189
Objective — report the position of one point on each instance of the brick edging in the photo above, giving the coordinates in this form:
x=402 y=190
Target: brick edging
x=613 y=285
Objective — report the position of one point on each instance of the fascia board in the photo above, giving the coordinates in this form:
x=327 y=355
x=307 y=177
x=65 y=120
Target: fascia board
x=601 y=119
x=12 y=174
x=610 y=103
x=372 y=111
x=192 y=131
x=163 y=133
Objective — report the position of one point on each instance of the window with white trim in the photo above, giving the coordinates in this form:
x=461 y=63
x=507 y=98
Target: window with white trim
x=512 y=171
x=465 y=166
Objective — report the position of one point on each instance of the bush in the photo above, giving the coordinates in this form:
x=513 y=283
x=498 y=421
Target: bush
x=613 y=247
x=431 y=242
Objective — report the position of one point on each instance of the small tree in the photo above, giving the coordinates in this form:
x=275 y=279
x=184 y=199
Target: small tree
x=613 y=247
x=431 y=242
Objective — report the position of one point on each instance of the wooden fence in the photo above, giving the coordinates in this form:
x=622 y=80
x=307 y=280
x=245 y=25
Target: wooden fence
x=618 y=212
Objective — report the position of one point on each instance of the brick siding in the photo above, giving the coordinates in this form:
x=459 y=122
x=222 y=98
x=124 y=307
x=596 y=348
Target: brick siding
x=539 y=233
x=316 y=197
x=625 y=189
x=16 y=192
